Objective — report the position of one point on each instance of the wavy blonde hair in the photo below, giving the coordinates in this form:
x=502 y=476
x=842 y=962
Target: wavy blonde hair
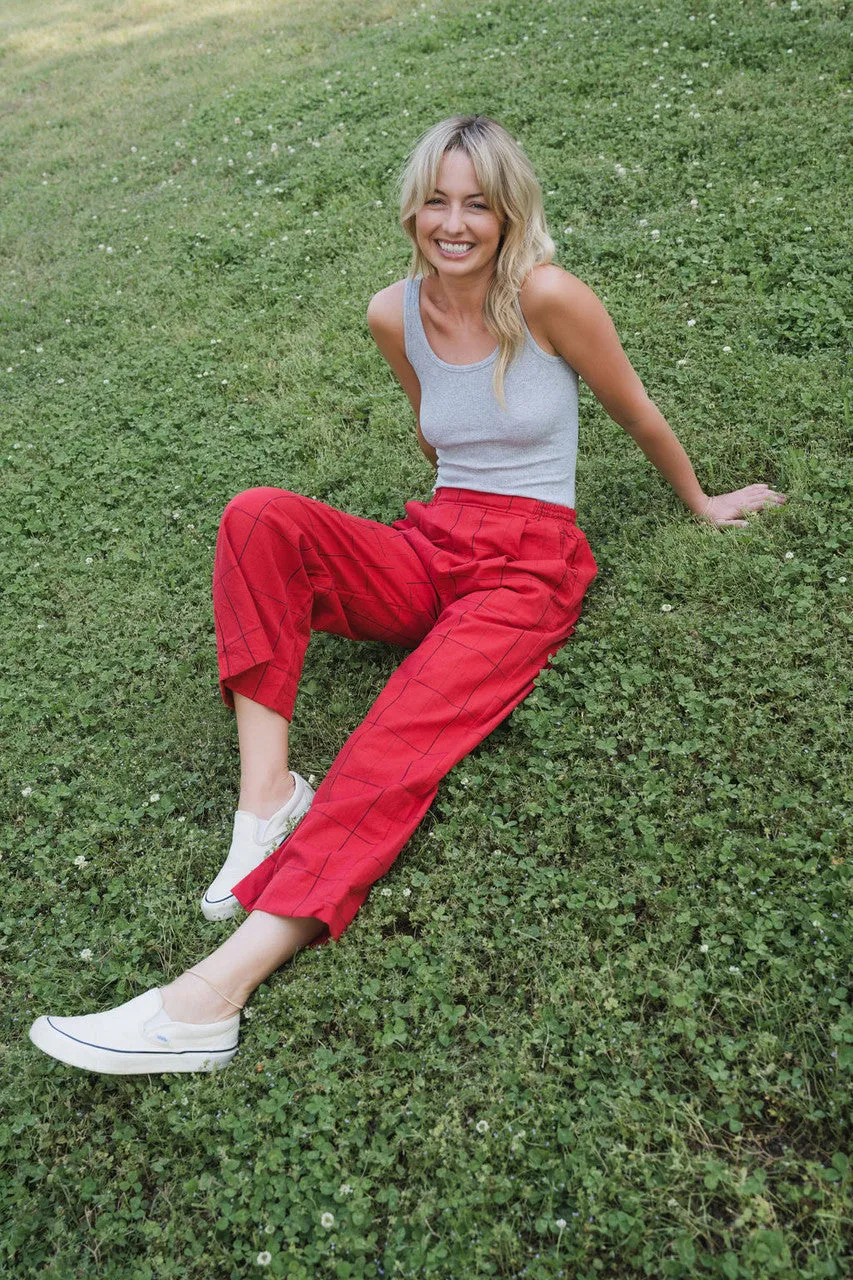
x=510 y=185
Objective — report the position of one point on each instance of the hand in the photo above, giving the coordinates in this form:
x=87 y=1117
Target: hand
x=728 y=507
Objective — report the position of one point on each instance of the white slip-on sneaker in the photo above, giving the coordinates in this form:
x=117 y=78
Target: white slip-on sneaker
x=137 y=1038
x=253 y=840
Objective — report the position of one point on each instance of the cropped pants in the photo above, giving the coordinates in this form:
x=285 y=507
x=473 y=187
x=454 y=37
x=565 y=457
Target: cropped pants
x=483 y=588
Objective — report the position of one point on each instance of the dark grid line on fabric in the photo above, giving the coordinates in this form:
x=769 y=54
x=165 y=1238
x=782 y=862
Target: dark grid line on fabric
x=441 y=580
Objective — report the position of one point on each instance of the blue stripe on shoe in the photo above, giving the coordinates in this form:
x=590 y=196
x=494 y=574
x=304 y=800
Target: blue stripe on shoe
x=177 y=1053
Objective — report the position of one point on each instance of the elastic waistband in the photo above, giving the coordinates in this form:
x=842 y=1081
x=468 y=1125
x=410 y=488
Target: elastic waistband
x=533 y=508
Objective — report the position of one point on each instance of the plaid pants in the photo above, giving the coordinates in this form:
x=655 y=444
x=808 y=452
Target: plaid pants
x=483 y=588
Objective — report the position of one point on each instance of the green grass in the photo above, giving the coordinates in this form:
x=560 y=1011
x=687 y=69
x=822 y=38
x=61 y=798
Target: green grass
x=607 y=983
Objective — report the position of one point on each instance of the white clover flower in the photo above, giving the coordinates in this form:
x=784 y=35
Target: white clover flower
x=327 y=1220
x=482 y=1126
x=733 y=968
x=89 y=560
x=386 y=893
x=26 y=791
x=264 y=1259
x=842 y=580
x=656 y=234
x=704 y=948
x=81 y=861
x=345 y=1189
x=407 y=893
x=154 y=797
x=666 y=608
x=561 y=1224
x=85 y=954
x=727 y=348
x=789 y=555
x=690 y=323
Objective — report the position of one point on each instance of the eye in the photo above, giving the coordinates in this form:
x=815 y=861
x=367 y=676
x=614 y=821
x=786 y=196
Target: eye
x=481 y=206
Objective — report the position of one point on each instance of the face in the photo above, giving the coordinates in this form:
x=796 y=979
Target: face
x=456 y=213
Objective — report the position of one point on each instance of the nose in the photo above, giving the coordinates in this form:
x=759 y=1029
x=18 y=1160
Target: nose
x=454 y=222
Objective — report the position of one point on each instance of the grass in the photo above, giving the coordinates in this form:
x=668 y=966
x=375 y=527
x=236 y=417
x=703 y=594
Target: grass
x=596 y=1021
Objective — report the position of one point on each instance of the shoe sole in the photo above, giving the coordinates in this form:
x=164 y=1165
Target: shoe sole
x=120 y=1062
x=219 y=910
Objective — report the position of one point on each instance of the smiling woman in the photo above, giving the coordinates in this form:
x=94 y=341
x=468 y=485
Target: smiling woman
x=483 y=195
x=483 y=584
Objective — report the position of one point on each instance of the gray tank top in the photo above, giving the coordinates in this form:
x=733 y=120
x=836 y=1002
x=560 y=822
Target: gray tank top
x=530 y=450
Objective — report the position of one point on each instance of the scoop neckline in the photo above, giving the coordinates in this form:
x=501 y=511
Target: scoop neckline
x=476 y=364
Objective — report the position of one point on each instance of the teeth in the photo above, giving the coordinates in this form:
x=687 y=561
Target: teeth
x=454 y=248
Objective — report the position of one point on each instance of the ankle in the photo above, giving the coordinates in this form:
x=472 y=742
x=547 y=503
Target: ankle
x=265 y=798
x=189 y=999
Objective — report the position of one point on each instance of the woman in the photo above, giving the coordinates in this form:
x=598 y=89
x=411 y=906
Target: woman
x=483 y=584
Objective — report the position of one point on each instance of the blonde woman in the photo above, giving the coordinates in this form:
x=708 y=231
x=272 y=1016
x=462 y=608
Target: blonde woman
x=483 y=584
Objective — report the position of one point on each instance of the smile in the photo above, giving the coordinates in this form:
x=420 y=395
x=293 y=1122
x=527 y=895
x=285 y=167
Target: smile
x=454 y=250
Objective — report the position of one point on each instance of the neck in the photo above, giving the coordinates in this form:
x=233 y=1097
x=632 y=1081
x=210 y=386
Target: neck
x=461 y=299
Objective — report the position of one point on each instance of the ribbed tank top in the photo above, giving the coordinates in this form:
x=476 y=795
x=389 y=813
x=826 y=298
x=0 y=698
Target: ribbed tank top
x=530 y=449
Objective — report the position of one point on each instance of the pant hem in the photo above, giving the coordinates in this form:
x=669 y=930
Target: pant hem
x=255 y=684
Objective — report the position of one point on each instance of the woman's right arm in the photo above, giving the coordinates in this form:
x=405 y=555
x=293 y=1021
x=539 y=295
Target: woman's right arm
x=385 y=319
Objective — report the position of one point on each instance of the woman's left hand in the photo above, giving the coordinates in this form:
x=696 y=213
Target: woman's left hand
x=729 y=508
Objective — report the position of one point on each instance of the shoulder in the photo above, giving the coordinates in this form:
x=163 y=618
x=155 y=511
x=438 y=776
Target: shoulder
x=548 y=286
x=385 y=318
x=385 y=309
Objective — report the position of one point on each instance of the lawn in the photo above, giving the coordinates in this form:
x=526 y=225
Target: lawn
x=597 y=1020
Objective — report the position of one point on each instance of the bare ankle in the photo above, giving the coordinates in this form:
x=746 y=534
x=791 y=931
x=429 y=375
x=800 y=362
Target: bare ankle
x=263 y=799
x=188 y=999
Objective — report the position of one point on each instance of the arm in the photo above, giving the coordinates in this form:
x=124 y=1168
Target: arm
x=385 y=319
x=579 y=328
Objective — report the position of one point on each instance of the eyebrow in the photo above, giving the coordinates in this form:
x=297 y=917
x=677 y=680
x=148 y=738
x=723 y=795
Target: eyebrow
x=470 y=197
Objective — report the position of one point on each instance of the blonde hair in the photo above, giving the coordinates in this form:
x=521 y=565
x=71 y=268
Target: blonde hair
x=510 y=185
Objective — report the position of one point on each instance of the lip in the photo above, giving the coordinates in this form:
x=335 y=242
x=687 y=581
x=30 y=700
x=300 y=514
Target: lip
x=455 y=255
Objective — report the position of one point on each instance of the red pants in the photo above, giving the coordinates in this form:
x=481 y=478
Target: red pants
x=483 y=587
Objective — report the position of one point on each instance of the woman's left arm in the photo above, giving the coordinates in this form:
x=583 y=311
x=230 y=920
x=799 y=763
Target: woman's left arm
x=581 y=330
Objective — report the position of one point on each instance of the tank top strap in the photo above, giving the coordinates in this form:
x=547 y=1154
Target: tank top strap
x=413 y=331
